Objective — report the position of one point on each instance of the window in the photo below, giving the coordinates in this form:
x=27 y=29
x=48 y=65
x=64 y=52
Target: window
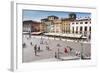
x=73 y=23
x=81 y=29
x=76 y=22
x=86 y=22
x=73 y=30
x=89 y=32
x=85 y=29
x=76 y=29
x=90 y=29
x=81 y=22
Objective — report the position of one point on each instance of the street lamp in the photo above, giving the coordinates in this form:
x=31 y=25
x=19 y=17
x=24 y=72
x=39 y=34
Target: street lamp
x=58 y=50
x=81 y=50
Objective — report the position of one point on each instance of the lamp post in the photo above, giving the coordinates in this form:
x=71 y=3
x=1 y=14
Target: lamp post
x=81 y=50
x=58 y=50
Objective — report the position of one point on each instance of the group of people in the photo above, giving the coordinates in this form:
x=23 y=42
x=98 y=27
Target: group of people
x=36 y=49
x=66 y=50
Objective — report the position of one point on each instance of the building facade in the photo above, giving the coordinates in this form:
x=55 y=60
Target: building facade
x=51 y=24
x=82 y=26
x=27 y=26
x=57 y=26
x=31 y=26
x=66 y=25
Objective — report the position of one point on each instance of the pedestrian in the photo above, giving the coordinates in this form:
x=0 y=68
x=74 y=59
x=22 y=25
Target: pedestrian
x=41 y=42
x=65 y=50
x=70 y=49
x=55 y=55
x=77 y=53
x=24 y=45
x=35 y=50
x=47 y=47
x=31 y=43
x=39 y=48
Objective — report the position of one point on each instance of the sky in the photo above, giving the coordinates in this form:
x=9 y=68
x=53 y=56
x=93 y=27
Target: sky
x=37 y=15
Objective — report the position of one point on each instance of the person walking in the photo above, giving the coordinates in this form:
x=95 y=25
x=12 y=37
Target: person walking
x=47 y=47
x=70 y=49
x=35 y=50
x=41 y=41
x=31 y=43
x=38 y=48
x=24 y=45
x=55 y=55
x=65 y=50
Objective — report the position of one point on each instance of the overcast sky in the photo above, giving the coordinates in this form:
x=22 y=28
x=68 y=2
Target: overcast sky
x=37 y=15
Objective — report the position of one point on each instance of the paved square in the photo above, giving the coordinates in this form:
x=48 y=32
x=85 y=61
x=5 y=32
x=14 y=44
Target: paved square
x=55 y=46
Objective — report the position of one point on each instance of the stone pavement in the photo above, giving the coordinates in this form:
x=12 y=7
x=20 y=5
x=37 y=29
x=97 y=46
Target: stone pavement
x=45 y=54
